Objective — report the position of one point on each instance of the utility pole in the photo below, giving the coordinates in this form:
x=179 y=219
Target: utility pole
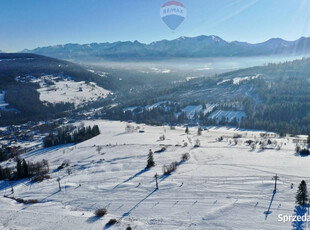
x=156 y=176
x=12 y=188
x=275 y=178
x=58 y=180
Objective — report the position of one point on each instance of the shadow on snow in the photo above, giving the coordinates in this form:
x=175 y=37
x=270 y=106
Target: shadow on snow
x=299 y=211
x=268 y=212
x=134 y=207
x=45 y=150
x=132 y=177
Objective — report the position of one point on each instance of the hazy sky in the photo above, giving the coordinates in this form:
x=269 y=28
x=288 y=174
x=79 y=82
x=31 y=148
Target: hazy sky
x=33 y=23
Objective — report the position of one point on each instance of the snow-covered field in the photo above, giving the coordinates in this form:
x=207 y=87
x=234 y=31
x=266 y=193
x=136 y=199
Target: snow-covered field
x=222 y=186
x=55 y=89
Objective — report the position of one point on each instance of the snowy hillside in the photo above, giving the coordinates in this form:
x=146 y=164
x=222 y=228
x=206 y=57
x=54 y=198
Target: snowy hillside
x=227 y=115
x=191 y=110
x=238 y=80
x=224 y=185
x=55 y=89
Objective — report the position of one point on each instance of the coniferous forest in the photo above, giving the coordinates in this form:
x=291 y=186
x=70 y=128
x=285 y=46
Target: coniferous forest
x=66 y=136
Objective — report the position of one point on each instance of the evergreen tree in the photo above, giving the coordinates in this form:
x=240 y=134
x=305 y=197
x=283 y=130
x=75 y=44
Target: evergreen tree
x=68 y=138
x=199 y=131
x=19 y=169
x=49 y=140
x=282 y=134
x=25 y=169
x=150 y=160
x=186 y=130
x=302 y=194
x=7 y=173
x=1 y=173
x=88 y=133
x=95 y=130
x=2 y=156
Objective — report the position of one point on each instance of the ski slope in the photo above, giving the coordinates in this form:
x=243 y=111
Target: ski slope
x=222 y=186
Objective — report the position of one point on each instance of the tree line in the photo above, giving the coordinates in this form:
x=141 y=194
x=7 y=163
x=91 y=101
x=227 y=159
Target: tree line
x=24 y=169
x=65 y=136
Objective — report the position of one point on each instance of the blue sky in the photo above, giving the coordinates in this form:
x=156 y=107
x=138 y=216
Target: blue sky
x=33 y=23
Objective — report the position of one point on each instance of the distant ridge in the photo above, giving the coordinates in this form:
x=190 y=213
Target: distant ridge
x=195 y=47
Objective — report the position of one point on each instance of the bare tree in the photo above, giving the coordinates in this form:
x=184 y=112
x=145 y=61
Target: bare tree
x=253 y=146
x=162 y=138
x=98 y=149
x=197 y=143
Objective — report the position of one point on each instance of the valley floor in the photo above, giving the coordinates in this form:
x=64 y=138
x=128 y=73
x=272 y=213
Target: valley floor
x=221 y=186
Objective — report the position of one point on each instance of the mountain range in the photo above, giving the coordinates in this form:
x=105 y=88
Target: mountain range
x=190 y=47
